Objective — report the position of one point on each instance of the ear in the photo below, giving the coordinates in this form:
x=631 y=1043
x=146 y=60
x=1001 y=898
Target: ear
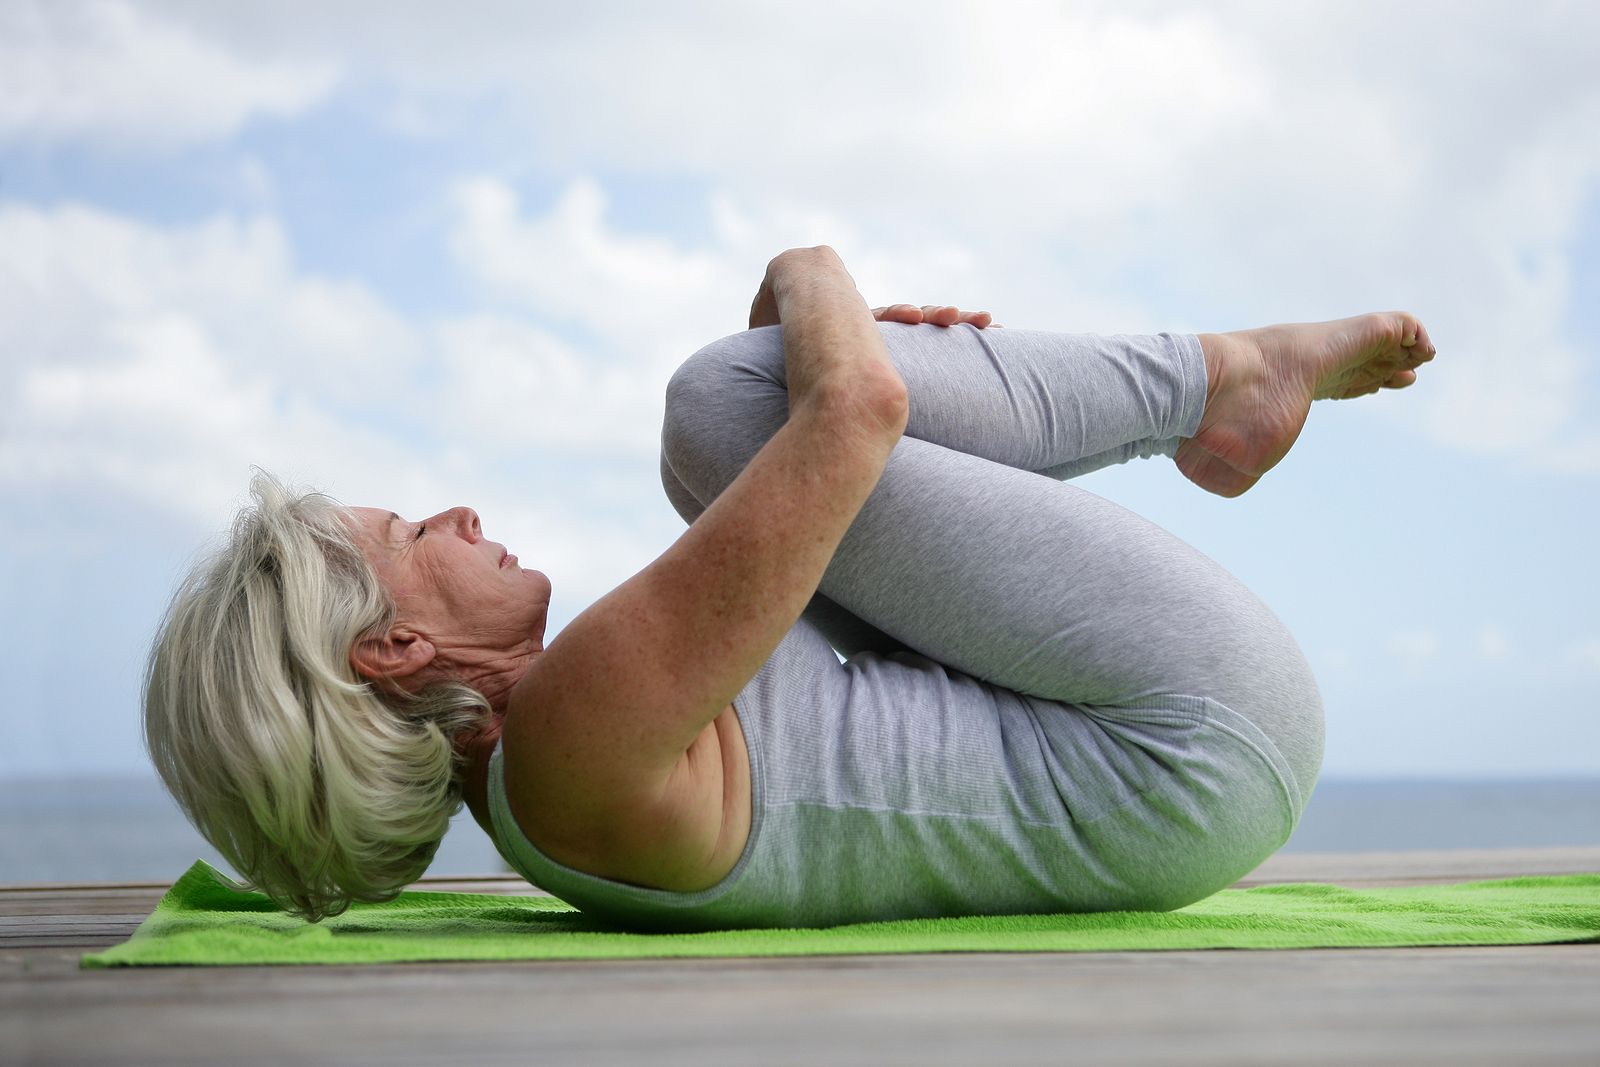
x=392 y=657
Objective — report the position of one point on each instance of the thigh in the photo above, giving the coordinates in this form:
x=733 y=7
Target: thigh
x=1033 y=584
x=1050 y=590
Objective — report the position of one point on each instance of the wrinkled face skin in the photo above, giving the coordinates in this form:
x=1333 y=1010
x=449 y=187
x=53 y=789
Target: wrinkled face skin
x=466 y=594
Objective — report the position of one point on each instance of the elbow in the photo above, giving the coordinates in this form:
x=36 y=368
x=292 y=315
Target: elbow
x=894 y=405
x=890 y=406
x=878 y=402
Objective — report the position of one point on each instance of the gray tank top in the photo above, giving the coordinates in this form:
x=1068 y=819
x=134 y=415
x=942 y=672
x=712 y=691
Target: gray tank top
x=892 y=787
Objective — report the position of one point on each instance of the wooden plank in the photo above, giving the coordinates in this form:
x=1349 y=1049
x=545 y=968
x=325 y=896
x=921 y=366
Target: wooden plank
x=436 y=883
x=1442 y=1006
x=68 y=901
x=1453 y=1006
x=1358 y=869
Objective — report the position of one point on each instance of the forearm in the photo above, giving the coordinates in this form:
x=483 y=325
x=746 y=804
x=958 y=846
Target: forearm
x=627 y=686
x=742 y=575
x=833 y=351
x=661 y=656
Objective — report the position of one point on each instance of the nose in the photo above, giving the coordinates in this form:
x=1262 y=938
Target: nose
x=463 y=521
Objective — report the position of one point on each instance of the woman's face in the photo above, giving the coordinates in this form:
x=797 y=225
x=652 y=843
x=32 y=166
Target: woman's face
x=450 y=583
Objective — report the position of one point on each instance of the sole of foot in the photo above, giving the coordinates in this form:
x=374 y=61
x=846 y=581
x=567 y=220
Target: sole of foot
x=1261 y=384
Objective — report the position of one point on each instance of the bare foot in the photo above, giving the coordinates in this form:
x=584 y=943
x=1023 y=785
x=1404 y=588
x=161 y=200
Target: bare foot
x=1260 y=385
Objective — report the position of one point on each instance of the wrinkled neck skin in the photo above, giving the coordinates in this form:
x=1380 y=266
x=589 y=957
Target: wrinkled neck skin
x=494 y=678
x=493 y=673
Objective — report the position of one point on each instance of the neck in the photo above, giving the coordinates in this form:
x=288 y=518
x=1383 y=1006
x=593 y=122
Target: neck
x=494 y=677
x=492 y=673
x=475 y=781
x=496 y=684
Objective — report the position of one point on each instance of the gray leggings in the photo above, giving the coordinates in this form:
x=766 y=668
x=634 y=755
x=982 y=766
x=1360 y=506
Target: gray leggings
x=965 y=554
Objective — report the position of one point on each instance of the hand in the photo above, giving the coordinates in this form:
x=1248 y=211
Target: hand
x=796 y=265
x=934 y=314
x=832 y=354
x=764 y=309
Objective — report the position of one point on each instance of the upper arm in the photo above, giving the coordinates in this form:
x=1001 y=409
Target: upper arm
x=623 y=691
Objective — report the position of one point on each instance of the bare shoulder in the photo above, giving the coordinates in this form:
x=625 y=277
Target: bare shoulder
x=683 y=834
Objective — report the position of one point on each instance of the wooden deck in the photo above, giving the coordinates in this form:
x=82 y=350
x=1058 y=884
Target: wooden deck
x=1440 y=1005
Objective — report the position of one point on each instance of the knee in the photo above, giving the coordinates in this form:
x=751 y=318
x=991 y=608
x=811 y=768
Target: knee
x=697 y=394
x=722 y=405
x=1263 y=675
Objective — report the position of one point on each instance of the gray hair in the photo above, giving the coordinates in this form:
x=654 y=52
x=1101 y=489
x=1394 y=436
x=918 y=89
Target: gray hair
x=317 y=786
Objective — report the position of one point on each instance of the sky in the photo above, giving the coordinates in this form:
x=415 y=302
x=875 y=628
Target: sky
x=424 y=255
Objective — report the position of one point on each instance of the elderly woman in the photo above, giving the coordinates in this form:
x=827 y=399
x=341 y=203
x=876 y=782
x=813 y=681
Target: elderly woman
x=1049 y=703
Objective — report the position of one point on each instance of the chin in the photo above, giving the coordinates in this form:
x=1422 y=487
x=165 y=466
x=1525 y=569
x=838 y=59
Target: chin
x=544 y=598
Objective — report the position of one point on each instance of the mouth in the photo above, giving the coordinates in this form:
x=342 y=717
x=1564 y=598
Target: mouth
x=507 y=559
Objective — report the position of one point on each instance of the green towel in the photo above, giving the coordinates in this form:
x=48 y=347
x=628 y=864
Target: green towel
x=206 y=919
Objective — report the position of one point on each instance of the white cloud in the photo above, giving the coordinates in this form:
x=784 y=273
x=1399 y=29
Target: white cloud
x=110 y=73
x=515 y=384
x=1413 y=647
x=1491 y=642
x=1336 y=659
x=1137 y=166
x=1098 y=167
x=161 y=364
x=648 y=301
x=644 y=297
x=76 y=276
x=1585 y=653
x=170 y=417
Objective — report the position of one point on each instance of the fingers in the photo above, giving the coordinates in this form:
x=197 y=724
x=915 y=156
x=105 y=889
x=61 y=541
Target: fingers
x=933 y=314
x=906 y=313
x=946 y=315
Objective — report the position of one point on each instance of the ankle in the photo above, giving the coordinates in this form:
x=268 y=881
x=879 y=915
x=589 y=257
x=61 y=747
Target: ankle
x=1215 y=348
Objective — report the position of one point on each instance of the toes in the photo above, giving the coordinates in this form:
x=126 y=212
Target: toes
x=1414 y=336
x=1407 y=327
x=1425 y=343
